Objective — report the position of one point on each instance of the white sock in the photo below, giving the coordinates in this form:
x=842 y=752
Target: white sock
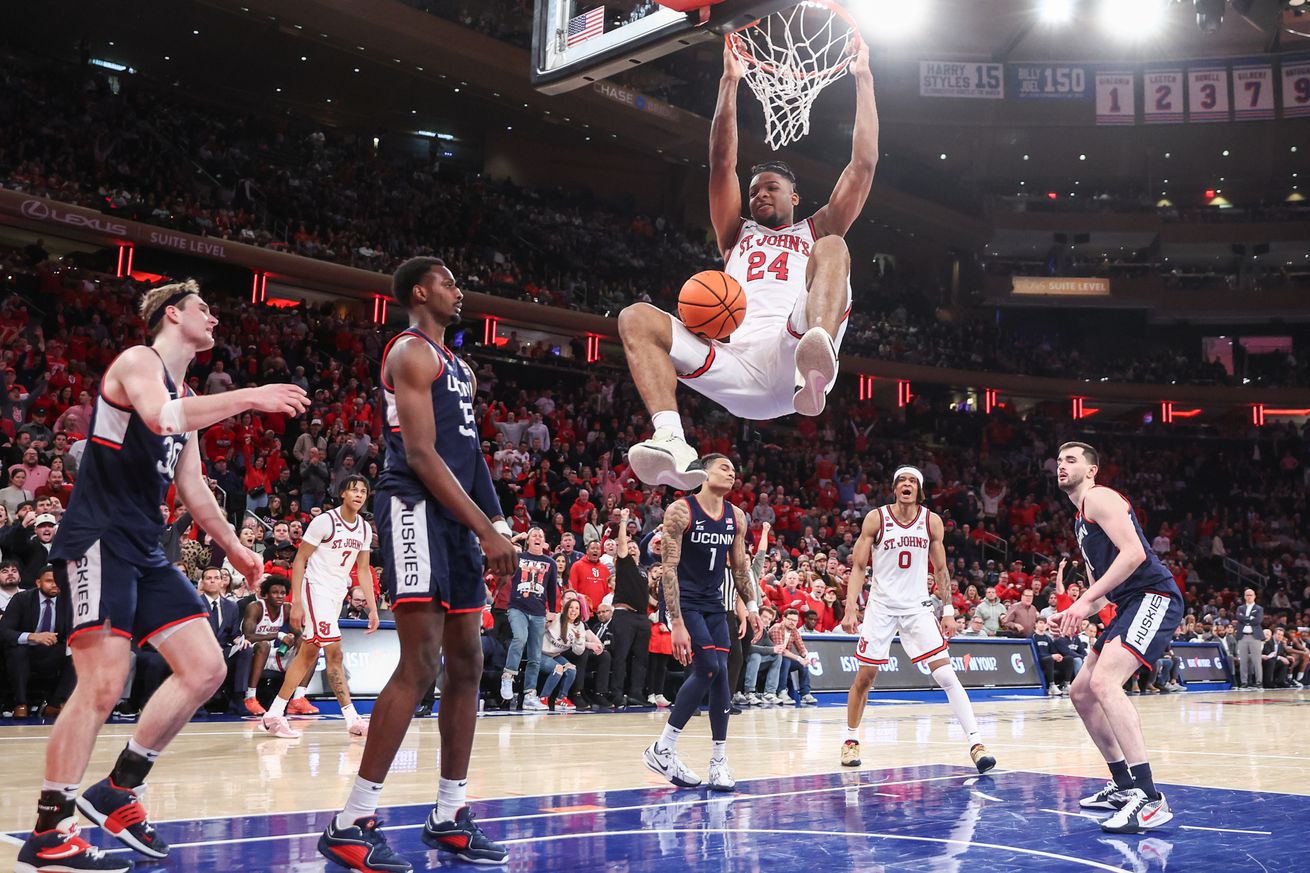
x=136 y=748
x=450 y=797
x=720 y=753
x=277 y=707
x=959 y=698
x=300 y=692
x=349 y=714
x=68 y=791
x=363 y=802
x=853 y=733
x=669 y=419
x=250 y=693
x=669 y=737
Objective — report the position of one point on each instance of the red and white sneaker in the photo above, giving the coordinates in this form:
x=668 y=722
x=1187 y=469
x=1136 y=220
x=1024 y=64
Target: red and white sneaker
x=278 y=726
x=301 y=706
x=565 y=705
x=254 y=708
x=61 y=850
x=120 y=812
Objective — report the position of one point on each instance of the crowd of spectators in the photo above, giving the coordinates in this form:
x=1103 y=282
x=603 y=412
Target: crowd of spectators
x=556 y=434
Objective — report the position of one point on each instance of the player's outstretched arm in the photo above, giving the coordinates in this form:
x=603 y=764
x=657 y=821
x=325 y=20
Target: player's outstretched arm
x=364 y=573
x=725 y=187
x=412 y=367
x=136 y=380
x=200 y=502
x=870 y=531
x=855 y=182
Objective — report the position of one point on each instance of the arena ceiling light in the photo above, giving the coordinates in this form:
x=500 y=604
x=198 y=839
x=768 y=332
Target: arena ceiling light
x=892 y=19
x=1056 y=11
x=1133 y=20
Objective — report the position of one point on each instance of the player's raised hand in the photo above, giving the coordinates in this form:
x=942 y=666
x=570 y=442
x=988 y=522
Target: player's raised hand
x=502 y=557
x=860 y=61
x=733 y=68
x=248 y=564
x=279 y=397
x=297 y=619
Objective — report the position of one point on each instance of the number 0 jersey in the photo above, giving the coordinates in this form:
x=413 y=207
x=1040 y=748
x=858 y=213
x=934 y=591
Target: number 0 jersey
x=899 y=565
x=122 y=480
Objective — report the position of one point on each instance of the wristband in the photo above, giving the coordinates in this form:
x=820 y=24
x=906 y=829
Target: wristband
x=948 y=611
x=501 y=527
x=752 y=607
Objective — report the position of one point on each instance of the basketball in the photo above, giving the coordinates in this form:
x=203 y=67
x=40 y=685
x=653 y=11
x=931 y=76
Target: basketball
x=711 y=304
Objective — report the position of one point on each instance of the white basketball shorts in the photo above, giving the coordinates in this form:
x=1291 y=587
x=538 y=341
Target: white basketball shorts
x=920 y=634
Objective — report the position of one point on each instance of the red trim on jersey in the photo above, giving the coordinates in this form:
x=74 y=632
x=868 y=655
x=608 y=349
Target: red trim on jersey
x=115 y=405
x=1136 y=654
x=876 y=663
x=925 y=657
x=428 y=598
x=912 y=523
x=700 y=371
x=814 y=234
x=1083 y=515
x=414 y=332
x=108 y=443
x=450 y=611
x=99 y=627
x=343 y=521
x=845 y=315
x=309 y=605
x=162 y=628
x=791 y=330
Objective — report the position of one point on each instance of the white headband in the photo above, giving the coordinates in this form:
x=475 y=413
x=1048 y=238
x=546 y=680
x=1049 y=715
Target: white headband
x=913 y=471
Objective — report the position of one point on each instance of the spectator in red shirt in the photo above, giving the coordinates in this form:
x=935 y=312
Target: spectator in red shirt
x=789 y=595
x=579 y=511
x=589 y=577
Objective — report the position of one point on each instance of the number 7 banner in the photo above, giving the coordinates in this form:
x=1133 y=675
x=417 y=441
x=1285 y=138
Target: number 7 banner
x=1207 y=93
x=1116 y=97
x=1253 y=91
x=1162 y=96
x=1296 y=86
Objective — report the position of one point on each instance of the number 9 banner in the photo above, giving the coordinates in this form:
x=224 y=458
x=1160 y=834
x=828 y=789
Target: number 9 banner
x=1296 y=87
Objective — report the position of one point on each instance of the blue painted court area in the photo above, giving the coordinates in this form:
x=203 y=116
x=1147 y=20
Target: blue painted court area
x=921 y=818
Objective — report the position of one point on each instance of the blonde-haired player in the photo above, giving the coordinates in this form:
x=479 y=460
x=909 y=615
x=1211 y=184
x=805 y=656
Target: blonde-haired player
x=796 y=275
x=334 y=542
x=899 y=540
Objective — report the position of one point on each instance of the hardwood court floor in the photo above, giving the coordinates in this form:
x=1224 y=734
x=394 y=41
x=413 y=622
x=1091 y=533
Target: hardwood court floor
x=232 y=776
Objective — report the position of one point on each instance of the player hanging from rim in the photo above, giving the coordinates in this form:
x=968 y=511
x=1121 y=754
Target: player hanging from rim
x=900 y=540
x=796 y=275
x=320 y=576
x=705 y=569
x=1121 y=567
x=435 y=505
x=122 y=587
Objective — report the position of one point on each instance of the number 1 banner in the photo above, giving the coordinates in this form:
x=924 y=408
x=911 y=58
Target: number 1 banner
x=1253 y=91
x=1296 y=86
x=1207 y=93
x=1162 y=96
x=1116 y=99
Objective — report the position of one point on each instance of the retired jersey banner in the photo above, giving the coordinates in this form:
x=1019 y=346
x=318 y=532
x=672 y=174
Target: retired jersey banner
x=1116 y=97
x=961 y=79
x=1162 y=96
x=1253 y=91
x=1207 y=93
x=1048 y=82
x=1296 y=86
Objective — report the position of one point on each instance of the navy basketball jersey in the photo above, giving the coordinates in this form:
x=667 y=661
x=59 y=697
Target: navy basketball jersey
x=1100 y=552
x=452 y=410
x=704 y=580
x=123 y=478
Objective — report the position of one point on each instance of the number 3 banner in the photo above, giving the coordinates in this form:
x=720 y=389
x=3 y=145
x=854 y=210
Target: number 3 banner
x=1296 y=86
x=1207 y=93
x=1162 y=96
x=1116 y=97
x=1253 y=91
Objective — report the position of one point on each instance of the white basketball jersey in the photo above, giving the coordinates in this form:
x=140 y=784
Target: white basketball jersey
x=336 y=548
x=269 y=624
x=770 y=266
x=900 y=564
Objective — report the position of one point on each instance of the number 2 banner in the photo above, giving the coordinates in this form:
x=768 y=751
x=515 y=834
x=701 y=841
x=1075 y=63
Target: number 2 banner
x=1296 y=86
x=1162 y=96
x=1116 y=101
x=1207 y=93
x=1253 y=91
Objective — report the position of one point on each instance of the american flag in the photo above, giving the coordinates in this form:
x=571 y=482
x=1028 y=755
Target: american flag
x=585 y=26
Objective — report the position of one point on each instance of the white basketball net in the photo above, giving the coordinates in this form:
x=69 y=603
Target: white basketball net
x=790 y=57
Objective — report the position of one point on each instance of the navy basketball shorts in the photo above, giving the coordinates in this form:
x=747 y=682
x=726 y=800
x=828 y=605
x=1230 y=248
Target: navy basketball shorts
x=138 y=599
x=708 y=630
x=428 y=557
x=1144 y=624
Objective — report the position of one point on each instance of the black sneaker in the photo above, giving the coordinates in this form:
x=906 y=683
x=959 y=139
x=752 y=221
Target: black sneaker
x=120 y=813
x=463 y=838
x=361 y=847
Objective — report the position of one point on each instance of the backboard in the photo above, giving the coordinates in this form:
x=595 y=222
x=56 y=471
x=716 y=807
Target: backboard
x=576 y=42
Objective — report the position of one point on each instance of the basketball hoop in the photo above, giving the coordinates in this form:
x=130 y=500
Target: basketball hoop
x=790 y=57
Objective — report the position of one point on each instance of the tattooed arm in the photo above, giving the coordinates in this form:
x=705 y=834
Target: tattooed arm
x=676 y=519
x=741 y=574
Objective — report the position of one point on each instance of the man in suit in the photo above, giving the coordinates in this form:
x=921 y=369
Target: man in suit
x=35 y=631
x=1250 y=640
x=1275 y=658
x=225 y=619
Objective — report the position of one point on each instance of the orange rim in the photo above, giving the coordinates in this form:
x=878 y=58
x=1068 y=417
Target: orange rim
x=740 y=49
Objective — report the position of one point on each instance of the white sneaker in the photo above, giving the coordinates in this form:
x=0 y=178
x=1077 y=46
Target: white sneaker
x=278 y=726
x=809 y=700
x=1140 y=813
x=771 y=699
x=506 y=687
x=358 y=728
x=753 y=699
x=1109 y=797
x=665 y=762
x=816 y=371
x=661 y=700
x=666 y=459
x=739 y=699
x=721 y=777
x=533 y=703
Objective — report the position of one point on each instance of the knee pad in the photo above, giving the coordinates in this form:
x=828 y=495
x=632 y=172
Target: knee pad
x=706 y=665
x=945 y=677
